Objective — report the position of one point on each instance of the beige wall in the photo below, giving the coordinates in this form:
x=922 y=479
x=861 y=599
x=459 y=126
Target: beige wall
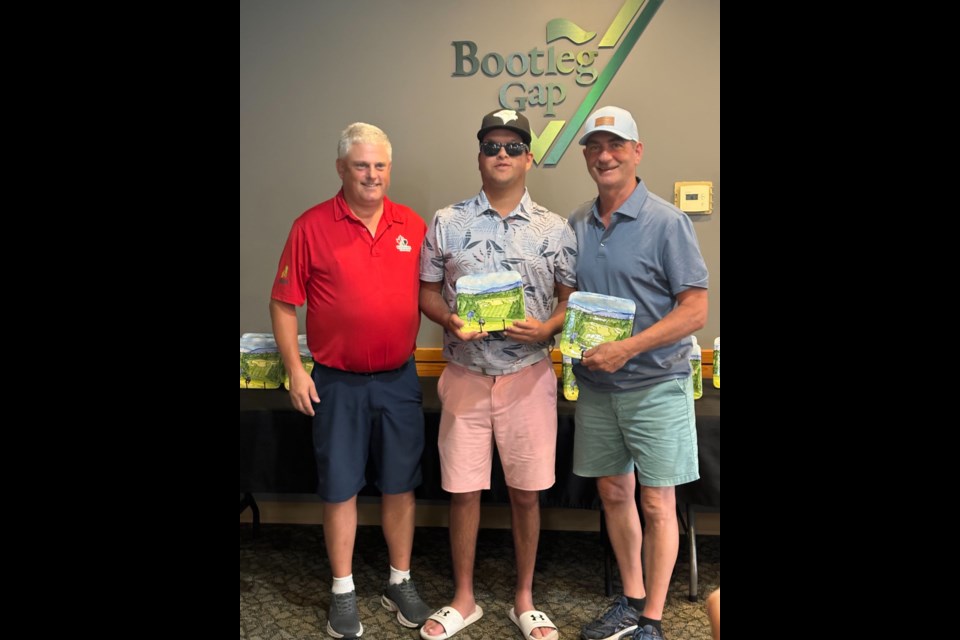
x=309 y=68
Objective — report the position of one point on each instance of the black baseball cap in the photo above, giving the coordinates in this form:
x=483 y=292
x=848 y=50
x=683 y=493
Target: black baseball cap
x=505 y=119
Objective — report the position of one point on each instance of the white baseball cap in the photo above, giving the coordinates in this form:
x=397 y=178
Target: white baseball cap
x=613 y=119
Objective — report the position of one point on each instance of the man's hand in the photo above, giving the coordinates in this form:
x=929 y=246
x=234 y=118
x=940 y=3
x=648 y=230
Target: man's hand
x=608 y=357
x=528 y=331
x=454 y=324
x=303 y=392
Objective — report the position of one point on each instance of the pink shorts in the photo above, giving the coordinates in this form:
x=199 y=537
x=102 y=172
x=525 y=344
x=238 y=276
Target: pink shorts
x=518 y=410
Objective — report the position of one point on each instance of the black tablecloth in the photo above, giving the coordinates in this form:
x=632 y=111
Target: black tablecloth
x=706 y=490
x=276 y=452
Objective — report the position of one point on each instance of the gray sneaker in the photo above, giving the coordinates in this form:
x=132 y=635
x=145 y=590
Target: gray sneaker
x=404 y=599
x=647 y=632
x=618 y=622
x=343 y=620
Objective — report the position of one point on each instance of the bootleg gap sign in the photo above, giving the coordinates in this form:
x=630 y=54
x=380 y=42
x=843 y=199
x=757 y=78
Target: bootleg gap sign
x=547 y=68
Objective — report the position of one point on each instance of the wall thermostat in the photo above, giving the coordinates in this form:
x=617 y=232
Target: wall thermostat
x=693 y=197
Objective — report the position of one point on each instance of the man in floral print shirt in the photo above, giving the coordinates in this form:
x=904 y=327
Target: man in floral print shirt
x=499 y=386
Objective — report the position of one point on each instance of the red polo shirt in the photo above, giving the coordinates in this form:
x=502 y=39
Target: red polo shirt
x=361 y=291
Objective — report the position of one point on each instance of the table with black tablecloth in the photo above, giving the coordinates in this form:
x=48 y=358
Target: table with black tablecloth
x=276 y=456
x=704 y=494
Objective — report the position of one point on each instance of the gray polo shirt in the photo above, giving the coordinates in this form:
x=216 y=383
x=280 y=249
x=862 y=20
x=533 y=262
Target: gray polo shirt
x=649 y=254
x=470 y=238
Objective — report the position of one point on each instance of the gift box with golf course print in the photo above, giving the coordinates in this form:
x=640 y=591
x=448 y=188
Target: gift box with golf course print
x=490 y=301
x=592 y=319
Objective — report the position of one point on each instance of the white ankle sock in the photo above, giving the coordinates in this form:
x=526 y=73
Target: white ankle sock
x=343 y=585
x=397 y=576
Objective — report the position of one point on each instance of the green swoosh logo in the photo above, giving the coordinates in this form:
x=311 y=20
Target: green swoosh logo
x=606 y=76
x=563 y=28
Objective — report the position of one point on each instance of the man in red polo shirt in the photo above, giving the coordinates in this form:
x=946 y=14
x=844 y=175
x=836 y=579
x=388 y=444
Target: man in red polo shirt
x=354 y=260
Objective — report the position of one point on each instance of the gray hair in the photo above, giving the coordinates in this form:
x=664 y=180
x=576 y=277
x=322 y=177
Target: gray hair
x=362 y=133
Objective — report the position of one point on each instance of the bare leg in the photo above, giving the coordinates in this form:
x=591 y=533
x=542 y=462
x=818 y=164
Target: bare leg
x=525 y=510
x=339 y=534
x=623 y=527
x=464 y=524
x=397 y=516
x=713 y=612
x=662 y=540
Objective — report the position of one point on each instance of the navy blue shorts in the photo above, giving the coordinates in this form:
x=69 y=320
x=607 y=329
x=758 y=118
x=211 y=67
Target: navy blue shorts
x=362 y=415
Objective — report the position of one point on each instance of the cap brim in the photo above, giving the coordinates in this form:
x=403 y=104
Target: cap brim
x=520 y=132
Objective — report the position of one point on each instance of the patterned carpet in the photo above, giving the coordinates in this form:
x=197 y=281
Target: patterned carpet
x=285 y=583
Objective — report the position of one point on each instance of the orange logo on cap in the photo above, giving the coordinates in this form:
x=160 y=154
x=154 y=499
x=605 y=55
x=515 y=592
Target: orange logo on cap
x=604 y=120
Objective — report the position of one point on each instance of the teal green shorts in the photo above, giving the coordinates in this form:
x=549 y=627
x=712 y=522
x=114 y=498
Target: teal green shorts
x=654 y=429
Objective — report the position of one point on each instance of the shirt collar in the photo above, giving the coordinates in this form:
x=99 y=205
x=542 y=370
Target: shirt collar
x=524 y=210
x=631 y=207
x=341 y=209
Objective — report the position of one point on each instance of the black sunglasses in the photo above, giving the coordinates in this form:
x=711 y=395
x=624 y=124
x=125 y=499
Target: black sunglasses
x=513 y=149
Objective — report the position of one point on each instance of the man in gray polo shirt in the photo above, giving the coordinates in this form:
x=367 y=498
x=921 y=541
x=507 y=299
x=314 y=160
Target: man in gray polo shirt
x=635 y=409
